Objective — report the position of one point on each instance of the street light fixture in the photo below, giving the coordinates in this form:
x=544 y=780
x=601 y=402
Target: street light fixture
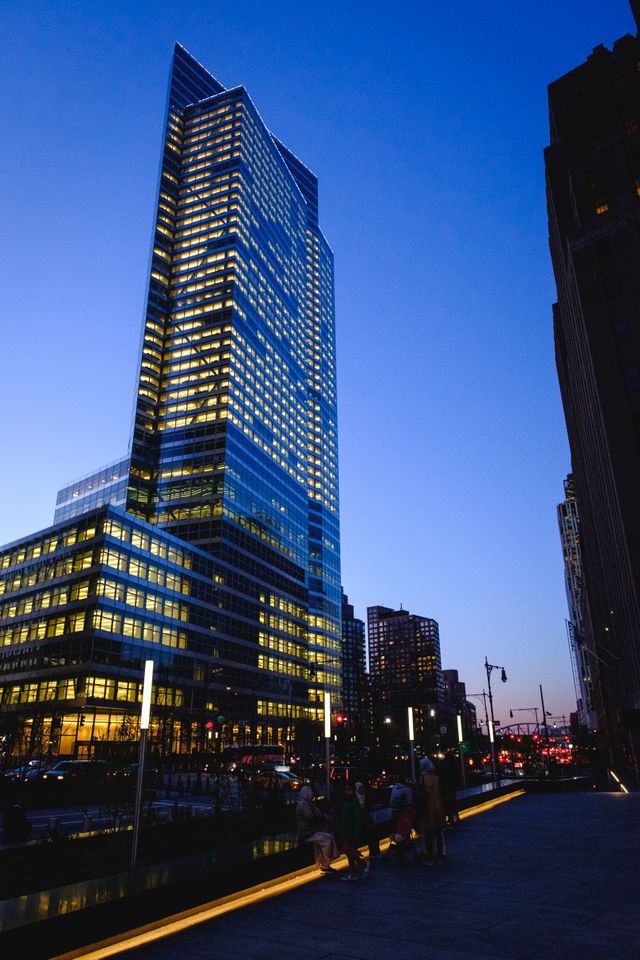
x=526 y=710
x=327 y=738
x=145 y=714
x=489 y=667
x=411 y=742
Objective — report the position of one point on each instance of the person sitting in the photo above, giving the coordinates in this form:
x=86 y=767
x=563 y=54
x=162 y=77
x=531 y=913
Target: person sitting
x=311 y=828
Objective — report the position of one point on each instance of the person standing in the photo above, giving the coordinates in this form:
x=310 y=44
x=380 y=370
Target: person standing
x=430 y=814
x=349 y=827
x=370 y=836
x=448 y=774
x=310 y=824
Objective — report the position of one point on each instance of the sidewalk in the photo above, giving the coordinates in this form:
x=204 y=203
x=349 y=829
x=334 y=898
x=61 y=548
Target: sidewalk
x=549 y=876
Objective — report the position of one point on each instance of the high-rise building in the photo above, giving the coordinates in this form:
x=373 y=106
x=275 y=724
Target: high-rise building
x=234 y=445
x=593 y=190
x=355 y=688
x=406 y=669
x=455 y=697
x=578 y=625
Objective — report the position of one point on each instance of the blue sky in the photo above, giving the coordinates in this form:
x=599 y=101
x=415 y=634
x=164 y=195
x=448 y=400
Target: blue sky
x=426 y=124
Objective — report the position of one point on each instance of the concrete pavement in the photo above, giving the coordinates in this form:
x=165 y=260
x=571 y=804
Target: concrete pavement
x=553 y=876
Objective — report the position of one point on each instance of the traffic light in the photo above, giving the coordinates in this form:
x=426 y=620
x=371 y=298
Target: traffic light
x=82 y=720
x=220 y=716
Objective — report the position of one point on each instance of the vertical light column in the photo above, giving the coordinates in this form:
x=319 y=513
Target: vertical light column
x=411 y=743
x=327 y=739
x=145 y=714
x=460 y=750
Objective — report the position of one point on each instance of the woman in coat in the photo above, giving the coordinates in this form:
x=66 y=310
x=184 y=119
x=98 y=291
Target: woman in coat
x=430 y=814
x=310 y=824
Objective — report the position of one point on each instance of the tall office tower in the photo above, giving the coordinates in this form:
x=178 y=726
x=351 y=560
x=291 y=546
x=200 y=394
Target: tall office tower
x=455 y=697
x=406 y=668
x=593 y=191
x=355 y=689
x=578 y=625
x=234 y=447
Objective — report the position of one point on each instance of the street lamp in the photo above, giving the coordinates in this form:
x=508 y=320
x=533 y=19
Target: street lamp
x=144 y=726
x=460 y=750
x=327 y=738
x=526 y=710
x=489 y=667
x=411 y=742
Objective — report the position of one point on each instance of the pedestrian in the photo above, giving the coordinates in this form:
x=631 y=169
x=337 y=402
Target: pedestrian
x=430 y=814
x=311 y=828
x=403 y=812
x=16 y=828
x=349 y=828
x=363 y=793
x=448 y=774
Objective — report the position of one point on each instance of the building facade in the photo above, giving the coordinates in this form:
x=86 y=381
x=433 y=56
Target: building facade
x=455 y=699
x=578 y=625
x=355 y=688
x=406 y=670
x=234 y=445
x=593 y=191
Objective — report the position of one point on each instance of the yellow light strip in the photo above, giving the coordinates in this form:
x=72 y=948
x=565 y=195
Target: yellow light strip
x=189 y=918
x=490 y=804
x=618 y=781
x=234 y=901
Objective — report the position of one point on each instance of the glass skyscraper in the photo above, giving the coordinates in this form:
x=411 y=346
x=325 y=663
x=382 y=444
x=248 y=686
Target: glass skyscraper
x=234 y=444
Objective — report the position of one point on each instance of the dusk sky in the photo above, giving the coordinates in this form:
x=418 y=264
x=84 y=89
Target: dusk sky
x=425 y=123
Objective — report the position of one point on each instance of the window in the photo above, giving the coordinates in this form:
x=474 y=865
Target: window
x=622 y=332
x=612 y=289
x=632 y=379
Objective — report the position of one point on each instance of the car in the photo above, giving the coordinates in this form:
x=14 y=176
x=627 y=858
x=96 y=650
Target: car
x=75 y=776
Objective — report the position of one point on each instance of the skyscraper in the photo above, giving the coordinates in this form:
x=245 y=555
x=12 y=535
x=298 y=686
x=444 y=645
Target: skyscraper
x=578 y=626
x=234 y=445
x=406 y=668
x=355 y=688
x=593 y=190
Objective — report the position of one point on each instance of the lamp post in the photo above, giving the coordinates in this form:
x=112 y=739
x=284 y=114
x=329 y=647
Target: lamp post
x=144 y=726
x=489 y=667
x=411 y=743
x=327 y=739
x=526 y=710
x=460 y=750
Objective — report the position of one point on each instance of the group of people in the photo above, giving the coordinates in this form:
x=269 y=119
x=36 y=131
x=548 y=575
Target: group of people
x=419 y=811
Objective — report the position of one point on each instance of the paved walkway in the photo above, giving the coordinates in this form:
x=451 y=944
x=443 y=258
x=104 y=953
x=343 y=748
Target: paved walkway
x=549 y=876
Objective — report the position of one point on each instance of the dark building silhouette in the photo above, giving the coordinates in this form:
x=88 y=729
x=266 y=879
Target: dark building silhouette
x=455 y=701
x=578 y=626
x=355 y=689
x=593 y=190
x=406 y=669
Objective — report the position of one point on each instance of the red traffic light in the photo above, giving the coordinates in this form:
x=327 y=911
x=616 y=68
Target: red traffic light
x=340 y=718
x=209 y=724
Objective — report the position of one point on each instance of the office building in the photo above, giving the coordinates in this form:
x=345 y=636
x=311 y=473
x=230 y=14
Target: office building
x=455 y=702
x=593 y=191
x=355 y=688
x=406 y=669
x=234 y=445
x=578 y=624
